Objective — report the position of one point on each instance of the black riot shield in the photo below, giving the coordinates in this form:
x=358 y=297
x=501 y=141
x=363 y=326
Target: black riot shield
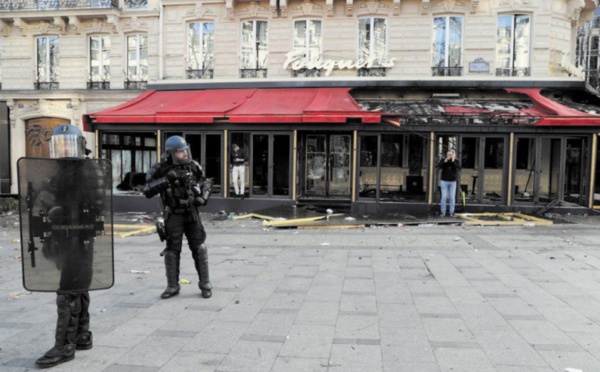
x=66 y=215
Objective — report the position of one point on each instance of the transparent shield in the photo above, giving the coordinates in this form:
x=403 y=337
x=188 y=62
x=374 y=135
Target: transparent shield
x=66 y=215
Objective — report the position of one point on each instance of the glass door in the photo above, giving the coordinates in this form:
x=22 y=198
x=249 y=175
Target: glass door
x=271 y=156
x=328 y=162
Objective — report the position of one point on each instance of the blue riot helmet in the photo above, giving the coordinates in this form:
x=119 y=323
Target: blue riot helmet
x=178 y=150
x=67 y=141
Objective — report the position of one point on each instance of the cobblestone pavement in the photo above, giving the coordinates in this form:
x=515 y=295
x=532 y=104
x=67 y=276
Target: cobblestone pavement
x=415 y=298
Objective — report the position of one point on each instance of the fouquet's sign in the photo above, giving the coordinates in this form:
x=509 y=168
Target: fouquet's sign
x=297 y=61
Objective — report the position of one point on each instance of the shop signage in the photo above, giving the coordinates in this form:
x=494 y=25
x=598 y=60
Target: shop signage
x=479 y=65
x=297 y=61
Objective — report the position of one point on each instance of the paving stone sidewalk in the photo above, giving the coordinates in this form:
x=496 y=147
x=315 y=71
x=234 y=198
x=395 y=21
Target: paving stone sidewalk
x=420 y=299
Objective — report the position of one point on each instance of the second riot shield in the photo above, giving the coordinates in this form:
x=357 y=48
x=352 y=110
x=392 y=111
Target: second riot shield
x=65 y=207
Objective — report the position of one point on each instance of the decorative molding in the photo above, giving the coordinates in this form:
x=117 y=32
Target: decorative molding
x=112 y=21
x=21 y=25
x=229 y=8
x=273 y=6
x=425 y=6
x=329 y=6
x=134 y=24
x=474 y=5
x=4 y=28
x=74 y=24
x=372 y=7
x=60 y=23
x=255 y=9
x=97 y=26
x=574 y=10
x=199 y=12
x=397 y=4
x=515 y=4
x=349 y=7
x=45 y=107
x=449 y=6
x=306 y=8
x=42 y=27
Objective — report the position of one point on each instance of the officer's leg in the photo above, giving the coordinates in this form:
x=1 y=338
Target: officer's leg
x=68 y=308
x=174 y=226
x=196 y=236
x=84 y=336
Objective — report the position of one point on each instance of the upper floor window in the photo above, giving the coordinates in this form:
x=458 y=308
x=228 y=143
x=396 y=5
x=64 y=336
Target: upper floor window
x=308 y=44
x=47 y=62
x=254 y=49
x=201 y=50
x=372 y=45
x=99 y=62
x=137 y=62
x=136 y=4
x=446 y=57
x=513 y=45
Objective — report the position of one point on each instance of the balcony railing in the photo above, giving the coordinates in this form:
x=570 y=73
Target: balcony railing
x=98 y=85
x=447 y=71
x=139 y=85
x=200 y=74
x=45 y=85
x=305 y=72
x=519 y=72
x=29 y=5
x=373 y=71
x=250 y=73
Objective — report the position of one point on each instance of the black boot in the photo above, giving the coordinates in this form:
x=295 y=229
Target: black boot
x=201 y=262
x=68 y=308
x=172 y=268
x=83 y=341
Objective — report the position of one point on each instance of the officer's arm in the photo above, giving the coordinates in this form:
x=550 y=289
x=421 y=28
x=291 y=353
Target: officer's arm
x=154 y=183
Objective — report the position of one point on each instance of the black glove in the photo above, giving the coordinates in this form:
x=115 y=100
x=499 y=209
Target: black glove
x=199 y=201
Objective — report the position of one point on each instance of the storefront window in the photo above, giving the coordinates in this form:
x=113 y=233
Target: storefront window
x=201 y=46
x=131 y=157
x=368 y=175
x=446 y=59
x=513 y=45
x=99 y=63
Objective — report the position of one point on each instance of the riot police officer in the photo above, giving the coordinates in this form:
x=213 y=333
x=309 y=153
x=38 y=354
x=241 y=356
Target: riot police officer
x=182 y=187
x=65 y=209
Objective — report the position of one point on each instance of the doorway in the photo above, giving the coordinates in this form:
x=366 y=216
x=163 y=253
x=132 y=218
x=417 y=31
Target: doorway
x=37 y=135
x=327 y=165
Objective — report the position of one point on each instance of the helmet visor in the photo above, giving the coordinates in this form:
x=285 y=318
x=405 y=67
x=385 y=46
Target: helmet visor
x=67 y=146
x=183 y=156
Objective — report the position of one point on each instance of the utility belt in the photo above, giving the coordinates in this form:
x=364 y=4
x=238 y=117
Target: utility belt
x=238 y=164
x=180 y=209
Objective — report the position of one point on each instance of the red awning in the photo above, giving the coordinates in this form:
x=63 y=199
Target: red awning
x=298 y=105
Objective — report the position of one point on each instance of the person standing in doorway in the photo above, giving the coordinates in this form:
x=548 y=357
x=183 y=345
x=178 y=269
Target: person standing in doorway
x=449 y=167
x=238 y=169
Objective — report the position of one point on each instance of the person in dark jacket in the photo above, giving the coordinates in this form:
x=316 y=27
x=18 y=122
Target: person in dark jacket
x=238 y=169
x=449 y=167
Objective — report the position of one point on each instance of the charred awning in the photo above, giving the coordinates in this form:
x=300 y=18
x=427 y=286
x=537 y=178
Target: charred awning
x=297 y=105
x=527 y=107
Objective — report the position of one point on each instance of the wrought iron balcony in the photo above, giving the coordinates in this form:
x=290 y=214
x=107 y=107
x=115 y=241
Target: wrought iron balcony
x=519 y=72
x=200 y=74
x=45 y=85
x=373 y=71
x=250 y=73
x=447 y=71
x=305 y=72
x=98 y=85
x=139 y=85
x=37 y=5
